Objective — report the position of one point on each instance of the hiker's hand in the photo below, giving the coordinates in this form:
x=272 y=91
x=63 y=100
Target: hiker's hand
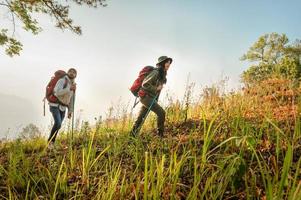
x=159 y=87
x=69 y=115
x=73 y=87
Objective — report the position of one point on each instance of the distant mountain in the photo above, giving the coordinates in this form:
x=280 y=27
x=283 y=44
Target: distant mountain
x=15 y=113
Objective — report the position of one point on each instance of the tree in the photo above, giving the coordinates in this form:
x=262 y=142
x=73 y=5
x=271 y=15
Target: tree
x=22 y=11
x=273 y=55
x=30 y=131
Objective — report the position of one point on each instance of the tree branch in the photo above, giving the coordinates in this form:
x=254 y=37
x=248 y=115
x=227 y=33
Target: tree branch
x=3 y=4
x=58 y=15
x=13 y=18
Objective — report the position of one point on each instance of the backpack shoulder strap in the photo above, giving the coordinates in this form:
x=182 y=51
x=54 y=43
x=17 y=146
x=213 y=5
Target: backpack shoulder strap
x=66 y=82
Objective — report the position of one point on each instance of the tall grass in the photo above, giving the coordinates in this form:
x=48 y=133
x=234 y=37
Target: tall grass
x=213 y=149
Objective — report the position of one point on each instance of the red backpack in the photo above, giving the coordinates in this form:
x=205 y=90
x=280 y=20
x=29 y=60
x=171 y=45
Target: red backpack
x=50 y=87
x=135 y=89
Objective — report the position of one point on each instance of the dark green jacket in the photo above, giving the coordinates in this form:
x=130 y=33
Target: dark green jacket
x=151 y=83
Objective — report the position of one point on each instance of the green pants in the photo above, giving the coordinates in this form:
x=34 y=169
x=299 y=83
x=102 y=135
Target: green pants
x=156 y=108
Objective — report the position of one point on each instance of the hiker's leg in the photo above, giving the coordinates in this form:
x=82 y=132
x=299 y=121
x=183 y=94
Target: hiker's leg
x=139 y=120
x=62 y=115
x=160 y=112
x=57 y=123
x=150 y=102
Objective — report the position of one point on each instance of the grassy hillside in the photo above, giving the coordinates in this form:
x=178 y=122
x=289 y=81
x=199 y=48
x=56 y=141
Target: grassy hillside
x=243 y=145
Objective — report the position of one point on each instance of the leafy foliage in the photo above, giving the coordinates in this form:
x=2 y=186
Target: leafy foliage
x=274 y=57
x=13 y=47
x=30 y=131
x=23 y=11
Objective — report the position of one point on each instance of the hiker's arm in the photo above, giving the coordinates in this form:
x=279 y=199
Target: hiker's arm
x=59 y=88
x=148 y=83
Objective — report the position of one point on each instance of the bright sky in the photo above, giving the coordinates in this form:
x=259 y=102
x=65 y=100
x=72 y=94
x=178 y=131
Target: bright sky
x=205 y=38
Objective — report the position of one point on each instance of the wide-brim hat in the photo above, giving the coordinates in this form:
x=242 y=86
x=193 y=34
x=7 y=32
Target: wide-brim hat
x=163 y=58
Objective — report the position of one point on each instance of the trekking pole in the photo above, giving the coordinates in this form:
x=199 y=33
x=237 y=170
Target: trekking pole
x=44 y=112
x=144 y=118
x=72 y=123
x=131 y=113
x=136 y=102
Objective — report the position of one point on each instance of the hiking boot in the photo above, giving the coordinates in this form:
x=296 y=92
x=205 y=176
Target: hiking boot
x=160 y=133
x=135 y=130
x=133 y=133
x=50 y=146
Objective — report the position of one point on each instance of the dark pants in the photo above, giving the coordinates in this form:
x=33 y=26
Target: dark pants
x=58 y=117
x=156 y=108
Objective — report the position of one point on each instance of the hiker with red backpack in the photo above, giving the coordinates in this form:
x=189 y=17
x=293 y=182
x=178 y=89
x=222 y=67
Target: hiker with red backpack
x=148 y=87
x=60 y=93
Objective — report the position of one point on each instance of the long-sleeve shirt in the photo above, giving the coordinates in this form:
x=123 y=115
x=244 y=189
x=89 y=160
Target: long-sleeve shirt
x=64 y=94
